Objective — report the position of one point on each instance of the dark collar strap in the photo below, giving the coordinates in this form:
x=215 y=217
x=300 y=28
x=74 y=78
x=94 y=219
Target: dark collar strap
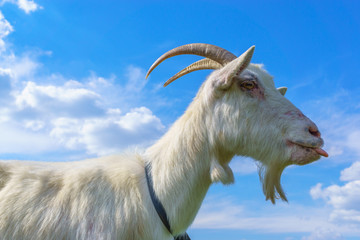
x=159 y=207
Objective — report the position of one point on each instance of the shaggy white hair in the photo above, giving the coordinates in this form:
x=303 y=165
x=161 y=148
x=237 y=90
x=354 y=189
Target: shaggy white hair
x=237 y=111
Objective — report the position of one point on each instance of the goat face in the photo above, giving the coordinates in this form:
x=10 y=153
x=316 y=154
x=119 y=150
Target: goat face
x=250 y=117
x=253 y=118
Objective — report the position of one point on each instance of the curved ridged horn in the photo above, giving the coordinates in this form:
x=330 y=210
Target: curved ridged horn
x=205 y=63
x=213 y=52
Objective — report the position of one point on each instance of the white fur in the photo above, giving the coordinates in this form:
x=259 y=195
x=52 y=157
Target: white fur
x=107 y=198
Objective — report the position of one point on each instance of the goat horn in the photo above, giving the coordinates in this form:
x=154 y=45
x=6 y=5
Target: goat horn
x=205 y=63
x=213 y=52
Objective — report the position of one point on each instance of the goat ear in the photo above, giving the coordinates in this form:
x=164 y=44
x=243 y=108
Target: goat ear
x=221 y=173
x=234 y=68
x=282 y=90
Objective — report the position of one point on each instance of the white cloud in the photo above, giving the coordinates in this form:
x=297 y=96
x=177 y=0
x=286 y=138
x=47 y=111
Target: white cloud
x=76 y=117
x=220 y=213
x=127 y=90
x=17 y=140
x=324 y=234
x=339 y=125
x=313 y=222
x=316 y=191
x=27 y=6
x=243 y=165
x=23 y=67
x=83 y=116
x=95 y=82
x=136 y=79
x=353 y=141
x=5 y=84
x=5 y=26
x=215 y=214
x=18 y=68
x=109 y=134
x=342 y=134
x=344 y=199
x=35 y=125
x=57 y=101
x=351 y=173
x=5 y=30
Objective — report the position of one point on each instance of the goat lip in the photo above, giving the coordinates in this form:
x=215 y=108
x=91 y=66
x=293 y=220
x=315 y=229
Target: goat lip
x=317 y=149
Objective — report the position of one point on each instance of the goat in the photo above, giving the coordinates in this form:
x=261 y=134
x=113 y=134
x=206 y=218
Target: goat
x=237 y=111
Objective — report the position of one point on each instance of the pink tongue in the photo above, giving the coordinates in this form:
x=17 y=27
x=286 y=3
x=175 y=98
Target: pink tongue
x=321 y=152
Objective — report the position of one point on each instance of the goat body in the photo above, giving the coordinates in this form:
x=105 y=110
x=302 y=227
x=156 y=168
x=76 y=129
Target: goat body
x=237 y=111
x=103 y=198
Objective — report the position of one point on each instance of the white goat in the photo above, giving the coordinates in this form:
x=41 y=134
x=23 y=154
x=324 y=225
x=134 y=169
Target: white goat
x=237 y=111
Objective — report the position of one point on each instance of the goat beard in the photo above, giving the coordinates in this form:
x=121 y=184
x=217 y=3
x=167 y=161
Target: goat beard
x=270 y=176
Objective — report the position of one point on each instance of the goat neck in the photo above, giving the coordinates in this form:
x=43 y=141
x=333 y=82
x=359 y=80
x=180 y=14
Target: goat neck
x=181 y=163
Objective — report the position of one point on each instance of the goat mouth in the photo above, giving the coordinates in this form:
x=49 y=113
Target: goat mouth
x=306 y=153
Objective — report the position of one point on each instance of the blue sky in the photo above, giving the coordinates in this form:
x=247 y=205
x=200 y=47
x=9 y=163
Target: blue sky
x=72 y=86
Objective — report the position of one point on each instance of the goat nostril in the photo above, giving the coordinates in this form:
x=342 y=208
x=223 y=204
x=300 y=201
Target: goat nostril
x=314 y=131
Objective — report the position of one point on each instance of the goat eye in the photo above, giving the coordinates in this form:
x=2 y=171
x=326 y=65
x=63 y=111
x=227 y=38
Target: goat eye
x=248 y=85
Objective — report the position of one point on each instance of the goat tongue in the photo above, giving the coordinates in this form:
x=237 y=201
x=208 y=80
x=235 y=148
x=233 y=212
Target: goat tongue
x=321 y=152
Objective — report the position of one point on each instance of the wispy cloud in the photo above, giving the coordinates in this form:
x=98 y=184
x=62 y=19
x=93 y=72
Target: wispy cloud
x=223 y=213
x=5 y=30
x=243 y=165
x=351 y=173
x=136 y=79
x=344 y=199
x=20 y=140
x=27 y=6
x=110 y=133
x=324 y=234
x=339 y=123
